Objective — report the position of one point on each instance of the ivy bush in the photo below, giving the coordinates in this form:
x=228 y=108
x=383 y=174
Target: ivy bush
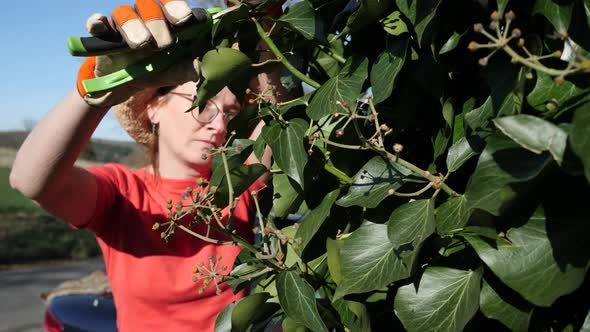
x=439 y=153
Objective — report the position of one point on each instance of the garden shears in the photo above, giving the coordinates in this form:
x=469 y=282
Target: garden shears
x=201 y=23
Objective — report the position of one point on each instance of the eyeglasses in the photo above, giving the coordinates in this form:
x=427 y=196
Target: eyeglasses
x=208 y=113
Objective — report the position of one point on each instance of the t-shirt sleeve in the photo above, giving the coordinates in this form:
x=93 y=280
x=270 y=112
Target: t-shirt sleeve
x=107 y=192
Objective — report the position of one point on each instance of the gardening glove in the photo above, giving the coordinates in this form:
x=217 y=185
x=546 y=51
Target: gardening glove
x=145 y=30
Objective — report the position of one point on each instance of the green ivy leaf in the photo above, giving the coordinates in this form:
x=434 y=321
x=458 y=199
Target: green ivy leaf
x=580 y=138
x=586 y=326
x=345 y=87
x=219 y=68
x=534 y=134
x=286 y=198
x=228 y=20
x=411 y=223
x=387 y=67
x=493 y=306
x=393 y=24
x=326 y=62
x=314 y=220
x=333 y=250
x=458 y=154
x=239 y=315
x=558 y=12
x=502 y=6
x=259 y=147
x=451 y=215
x=367 y=13
x=372 y=183
x=301 y=17
x=289 y=325
x=445 y=301
x=242 y=177
x=354 y=315
x=369 y=261
x=548 y=96
x=287 y=147
x=500 y=164
x=452 y=42
x=534 y=260
x=479 y=118
x=297 y=298
x=419 y=13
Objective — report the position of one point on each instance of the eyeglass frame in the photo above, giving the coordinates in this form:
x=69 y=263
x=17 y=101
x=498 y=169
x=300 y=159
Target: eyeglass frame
x=192 y=97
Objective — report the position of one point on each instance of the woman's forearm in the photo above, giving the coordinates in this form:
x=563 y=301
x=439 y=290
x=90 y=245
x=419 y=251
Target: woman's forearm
x=48 y=153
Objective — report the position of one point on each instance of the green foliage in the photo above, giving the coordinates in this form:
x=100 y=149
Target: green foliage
x=12 y=201
x=31 y=239
x=442 y=158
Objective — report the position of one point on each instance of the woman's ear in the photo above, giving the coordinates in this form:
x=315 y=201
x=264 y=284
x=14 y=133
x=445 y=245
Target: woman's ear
x=153 y=113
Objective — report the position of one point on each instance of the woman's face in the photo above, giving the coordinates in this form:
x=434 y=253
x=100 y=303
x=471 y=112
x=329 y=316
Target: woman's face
x=184 y=137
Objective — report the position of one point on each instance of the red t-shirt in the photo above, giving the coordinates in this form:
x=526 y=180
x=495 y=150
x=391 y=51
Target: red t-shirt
x=151 y=280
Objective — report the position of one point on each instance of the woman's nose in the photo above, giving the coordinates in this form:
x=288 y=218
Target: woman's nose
x=218 y=125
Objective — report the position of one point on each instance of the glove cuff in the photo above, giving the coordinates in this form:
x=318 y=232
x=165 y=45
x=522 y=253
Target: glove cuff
x=85 y=72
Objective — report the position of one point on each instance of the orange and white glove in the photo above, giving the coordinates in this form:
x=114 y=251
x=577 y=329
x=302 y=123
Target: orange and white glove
x=142 y=26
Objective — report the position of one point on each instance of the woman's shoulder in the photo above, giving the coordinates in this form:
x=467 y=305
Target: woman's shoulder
x=119 y=174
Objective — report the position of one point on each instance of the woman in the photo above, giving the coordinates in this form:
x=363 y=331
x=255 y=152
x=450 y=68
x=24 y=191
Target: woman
x=151 y=280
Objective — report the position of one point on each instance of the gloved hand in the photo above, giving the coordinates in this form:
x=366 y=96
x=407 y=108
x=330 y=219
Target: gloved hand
x=146 y=24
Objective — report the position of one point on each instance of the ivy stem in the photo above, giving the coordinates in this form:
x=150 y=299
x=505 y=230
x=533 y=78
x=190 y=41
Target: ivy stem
x=532 y=64
x=417 y=193
x=331 y=53
x=275 y=50
x=376 y=120
x=343 y=146
x=201 y=237
x=260 y=221
x=260 y=64
x=230 y=193
x=338 y=173
x=255 y=275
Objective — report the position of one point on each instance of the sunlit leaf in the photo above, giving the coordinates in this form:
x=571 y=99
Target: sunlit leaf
x=287 y=147
x=297 y=299
x=542 y=260
x=344 y=88
x=534 y=134
x=393 y=24
x=446 y=300
x=558 y=12
x=219 y=68
x=333 y=250
x=580 y=137
x=302 y=18
x=501 y=164
x=411 y=223
x=452 y=42
x=548 y=96
x=586 y=326
x=314 y=220
x=369 y=261
x=286 y=198
x=238 y=316
x=420 y=13
x=373 y=181
x=451 y=215
x=459 y=153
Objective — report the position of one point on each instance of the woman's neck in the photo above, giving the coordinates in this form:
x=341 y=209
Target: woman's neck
x=170 y=168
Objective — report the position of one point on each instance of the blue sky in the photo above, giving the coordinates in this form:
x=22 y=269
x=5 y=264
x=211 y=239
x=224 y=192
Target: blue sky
x=36 y=69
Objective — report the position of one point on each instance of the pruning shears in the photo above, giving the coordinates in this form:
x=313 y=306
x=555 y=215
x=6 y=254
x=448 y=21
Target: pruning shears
x=202 y=23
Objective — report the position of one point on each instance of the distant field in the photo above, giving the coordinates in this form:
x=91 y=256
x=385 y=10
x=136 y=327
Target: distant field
x=12 y=201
